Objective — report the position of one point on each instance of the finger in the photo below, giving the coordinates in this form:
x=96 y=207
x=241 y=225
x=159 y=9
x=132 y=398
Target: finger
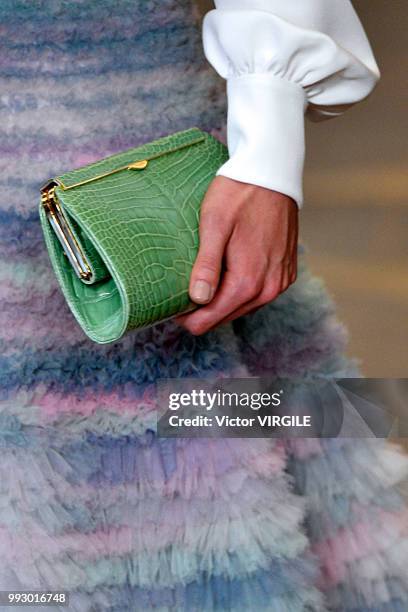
x=292 y=274
x=276 y=283
x=234 y=293
x=293 y=267
x=271 y=291
x=206 y=271
x=285 y=280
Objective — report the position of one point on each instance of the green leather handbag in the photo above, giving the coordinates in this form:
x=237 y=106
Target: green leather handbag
x=122 y=233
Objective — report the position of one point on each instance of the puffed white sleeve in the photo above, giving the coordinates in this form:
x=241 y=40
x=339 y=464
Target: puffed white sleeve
x=283 y=59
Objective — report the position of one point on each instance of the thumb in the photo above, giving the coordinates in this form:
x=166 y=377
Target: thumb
x=206 y=272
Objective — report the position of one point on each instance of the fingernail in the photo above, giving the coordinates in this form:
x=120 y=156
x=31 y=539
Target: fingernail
x=201 y=292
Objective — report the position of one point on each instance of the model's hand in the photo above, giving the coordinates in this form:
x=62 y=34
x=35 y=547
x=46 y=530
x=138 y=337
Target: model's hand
x=247 y=255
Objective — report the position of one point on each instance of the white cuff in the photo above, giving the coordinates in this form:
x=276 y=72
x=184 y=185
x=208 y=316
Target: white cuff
x=266 y=133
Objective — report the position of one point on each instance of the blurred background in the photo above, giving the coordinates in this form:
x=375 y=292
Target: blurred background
x=355 y=218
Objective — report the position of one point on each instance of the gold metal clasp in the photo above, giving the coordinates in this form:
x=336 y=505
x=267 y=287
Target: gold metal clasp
x=139 y=165
x=62 y=230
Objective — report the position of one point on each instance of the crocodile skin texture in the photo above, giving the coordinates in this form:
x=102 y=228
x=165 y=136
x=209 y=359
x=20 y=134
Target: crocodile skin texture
x=143 y=225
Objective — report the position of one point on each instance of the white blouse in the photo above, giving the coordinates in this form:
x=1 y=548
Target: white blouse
x=282 y=59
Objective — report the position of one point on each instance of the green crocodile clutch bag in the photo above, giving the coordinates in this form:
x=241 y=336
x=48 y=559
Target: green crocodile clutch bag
x=122 y=233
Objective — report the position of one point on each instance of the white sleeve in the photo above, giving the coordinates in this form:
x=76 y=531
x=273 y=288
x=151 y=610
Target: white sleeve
x=282 y=59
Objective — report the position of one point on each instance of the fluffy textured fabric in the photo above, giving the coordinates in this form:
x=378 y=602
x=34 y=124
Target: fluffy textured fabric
x=90 y=499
